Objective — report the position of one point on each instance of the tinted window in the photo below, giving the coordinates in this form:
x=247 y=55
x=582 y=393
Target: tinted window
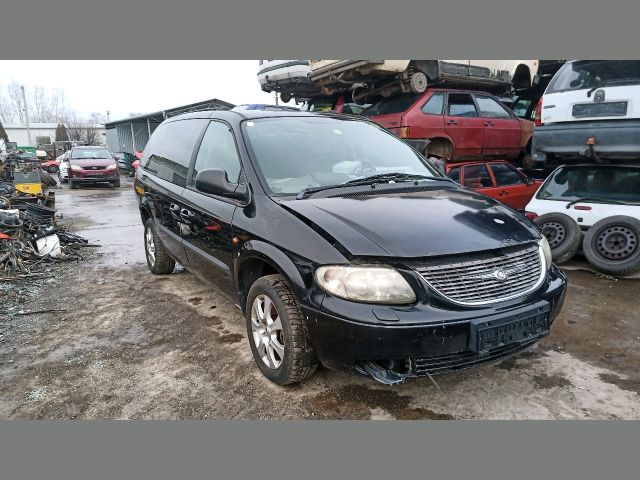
x=608 y=183
x=489 y=108
x=461 y=105
x=454 y=174
x=218 y=150
x=170 y=149
x=397 y=104
x=505 y=175
x=434 y=105
x=477 y=176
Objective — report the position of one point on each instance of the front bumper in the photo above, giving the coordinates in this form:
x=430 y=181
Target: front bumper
x=614 y=140
x=424 y=339
x=89 y=176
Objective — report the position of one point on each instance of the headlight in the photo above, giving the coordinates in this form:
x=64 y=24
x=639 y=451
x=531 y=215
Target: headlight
x=75 y=167
x=369 y=284
x=546 y=249
x=113 y=166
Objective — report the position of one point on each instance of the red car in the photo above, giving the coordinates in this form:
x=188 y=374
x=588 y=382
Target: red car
x=499 y=180
x=92 y=164
x=52 y=166
x=455 y=125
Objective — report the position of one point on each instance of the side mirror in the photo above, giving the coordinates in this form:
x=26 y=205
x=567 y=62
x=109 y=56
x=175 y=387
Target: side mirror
x=531 y=181
x=216 y=182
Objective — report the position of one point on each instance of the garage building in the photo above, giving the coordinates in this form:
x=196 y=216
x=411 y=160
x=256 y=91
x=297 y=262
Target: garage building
x=132 y=134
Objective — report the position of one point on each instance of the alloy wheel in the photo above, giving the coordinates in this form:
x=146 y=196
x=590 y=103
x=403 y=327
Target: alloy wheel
x=268 y=335
x=150 y=246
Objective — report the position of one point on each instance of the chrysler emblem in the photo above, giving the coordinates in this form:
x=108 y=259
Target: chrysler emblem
x=500 y=275
x=599 y=96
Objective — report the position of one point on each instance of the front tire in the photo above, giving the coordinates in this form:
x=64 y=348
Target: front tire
x=612 y=245
x=116 y=183
x=53 y=169
x=277 y=332
x=563 y=234
x=158 y=259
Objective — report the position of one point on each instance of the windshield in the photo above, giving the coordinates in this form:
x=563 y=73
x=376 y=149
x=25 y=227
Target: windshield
x=294 y=153
x=610 y=183
x=80 y=153
x=584 y=74
x=397 y=104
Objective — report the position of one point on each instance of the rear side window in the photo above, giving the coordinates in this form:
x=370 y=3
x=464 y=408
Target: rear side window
x=489 y=108
x=461 y=105
x=397 y=104
x=218 y=150
x=477 y=176
x=170 y=149
x=505 y=175
x=434 y=104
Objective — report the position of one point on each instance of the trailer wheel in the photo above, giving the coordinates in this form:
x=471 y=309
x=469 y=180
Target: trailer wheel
x=418 y=82
x=611 y=245
x=563 y=234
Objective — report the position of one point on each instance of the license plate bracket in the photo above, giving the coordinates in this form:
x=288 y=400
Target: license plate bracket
x=500 y=330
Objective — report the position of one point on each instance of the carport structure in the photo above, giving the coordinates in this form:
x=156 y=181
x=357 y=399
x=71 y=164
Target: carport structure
x=132 y=134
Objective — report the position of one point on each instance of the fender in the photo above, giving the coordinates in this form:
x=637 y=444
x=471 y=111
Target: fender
x=257 y=249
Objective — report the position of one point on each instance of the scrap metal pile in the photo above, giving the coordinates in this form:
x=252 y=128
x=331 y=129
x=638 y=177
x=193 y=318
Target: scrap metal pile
x=29 y=235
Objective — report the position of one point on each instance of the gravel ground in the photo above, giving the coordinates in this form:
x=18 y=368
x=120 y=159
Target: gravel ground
x=133 y=345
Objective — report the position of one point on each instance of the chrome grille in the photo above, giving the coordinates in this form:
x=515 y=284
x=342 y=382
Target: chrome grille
x=477 y=279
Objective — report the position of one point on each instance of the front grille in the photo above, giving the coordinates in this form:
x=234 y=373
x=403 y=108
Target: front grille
x=486 y=277
x=462 y=360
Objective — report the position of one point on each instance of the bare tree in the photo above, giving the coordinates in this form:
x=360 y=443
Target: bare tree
x=44 y=105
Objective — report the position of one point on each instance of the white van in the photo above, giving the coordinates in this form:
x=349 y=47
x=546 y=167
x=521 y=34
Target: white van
x=414 y=75
x=289 y=77
x=590 y=110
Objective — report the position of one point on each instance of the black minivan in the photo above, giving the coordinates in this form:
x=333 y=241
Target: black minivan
x=342 y=245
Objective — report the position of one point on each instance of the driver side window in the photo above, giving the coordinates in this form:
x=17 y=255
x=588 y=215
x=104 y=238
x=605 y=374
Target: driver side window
x=218 y=150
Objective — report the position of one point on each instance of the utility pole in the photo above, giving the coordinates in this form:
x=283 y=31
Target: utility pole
x=108 y=112
x=26 y=114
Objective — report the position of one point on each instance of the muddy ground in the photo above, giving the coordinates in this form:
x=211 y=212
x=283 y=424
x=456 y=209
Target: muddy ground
x=132 y=345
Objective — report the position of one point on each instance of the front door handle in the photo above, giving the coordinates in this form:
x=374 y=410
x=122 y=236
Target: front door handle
x=451 y=122
x=488 y=124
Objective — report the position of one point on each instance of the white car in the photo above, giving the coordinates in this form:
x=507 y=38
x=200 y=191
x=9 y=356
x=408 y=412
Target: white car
x=63 y=171
x=604 y=203
x=289 y=77
x=590 y=110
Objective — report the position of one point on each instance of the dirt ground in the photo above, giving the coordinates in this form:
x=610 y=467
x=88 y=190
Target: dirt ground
x=131 y=345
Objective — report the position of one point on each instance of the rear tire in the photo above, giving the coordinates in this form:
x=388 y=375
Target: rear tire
x=612 y=245
x=158 y=259
x=277 y=332
x=53 y=169
x=563 y=234
x=116 y=183
x=47 y=179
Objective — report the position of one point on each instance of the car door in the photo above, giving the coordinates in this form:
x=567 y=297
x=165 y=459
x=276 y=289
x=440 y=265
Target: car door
x=512 y=186
x=209 y=239
x=463 y=126
x=502 y=133
x=164 y=168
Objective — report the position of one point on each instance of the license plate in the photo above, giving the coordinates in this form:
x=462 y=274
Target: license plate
x=605 y=109
x=520 y=328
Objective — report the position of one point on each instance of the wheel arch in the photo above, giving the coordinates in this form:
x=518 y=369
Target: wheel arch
x=441 y=146
x=259 y=259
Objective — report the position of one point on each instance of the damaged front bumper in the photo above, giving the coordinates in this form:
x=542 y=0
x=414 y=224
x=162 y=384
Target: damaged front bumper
x=447 y=338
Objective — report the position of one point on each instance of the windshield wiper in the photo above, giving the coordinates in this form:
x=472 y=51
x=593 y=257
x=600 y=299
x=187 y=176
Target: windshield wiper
x=381 y=178
x=594 y=199
x=605 y=83
x=392 y=177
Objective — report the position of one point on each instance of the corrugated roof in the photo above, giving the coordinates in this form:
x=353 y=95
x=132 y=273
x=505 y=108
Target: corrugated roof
x=213 y=104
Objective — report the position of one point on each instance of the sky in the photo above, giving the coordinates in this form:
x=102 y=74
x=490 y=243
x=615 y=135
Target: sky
x=144 y=86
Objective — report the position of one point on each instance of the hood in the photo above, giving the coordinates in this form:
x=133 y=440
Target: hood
x=92 y=162
x=418 y=224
